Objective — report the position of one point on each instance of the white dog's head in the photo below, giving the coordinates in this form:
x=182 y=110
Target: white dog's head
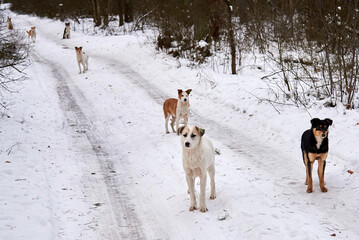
x=184 y=95
x=78 y=50
x=190 y=137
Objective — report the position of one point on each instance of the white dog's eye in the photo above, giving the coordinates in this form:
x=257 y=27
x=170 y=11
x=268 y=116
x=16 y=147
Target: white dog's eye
x=185 y=135
x=193 y=136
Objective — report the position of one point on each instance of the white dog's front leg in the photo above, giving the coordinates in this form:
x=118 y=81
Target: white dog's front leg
x=185 y=120
x=79 y=67
x=211 y=173
x=202 y=196
x=166 y=123
x=190 y=183
x=172 y=124
x=177 y=123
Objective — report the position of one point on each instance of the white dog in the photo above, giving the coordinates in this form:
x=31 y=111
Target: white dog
x=82 y=58
x=32 y=34
x=197 y=158
x=177 y=108
x=66 y=34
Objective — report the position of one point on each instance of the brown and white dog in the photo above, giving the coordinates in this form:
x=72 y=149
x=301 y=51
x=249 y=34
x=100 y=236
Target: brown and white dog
x=177 y=109
x=9 y=24
x=32 y=34
x=66 y=34
x=82 y=58
x=198 y=159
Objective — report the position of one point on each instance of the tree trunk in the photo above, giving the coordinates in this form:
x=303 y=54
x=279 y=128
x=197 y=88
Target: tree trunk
x=128 y=11
x=106 y=15
x=96 y=8
x=231 y=40
x=201 y=19
x=121 y=12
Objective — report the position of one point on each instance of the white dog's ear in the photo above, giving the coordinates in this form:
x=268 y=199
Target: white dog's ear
x=179 y=91
x=180 y=130
x=189 y=91
x=201 y=131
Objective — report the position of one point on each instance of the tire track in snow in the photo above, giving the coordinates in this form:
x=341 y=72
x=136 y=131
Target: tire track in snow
x=121 y=211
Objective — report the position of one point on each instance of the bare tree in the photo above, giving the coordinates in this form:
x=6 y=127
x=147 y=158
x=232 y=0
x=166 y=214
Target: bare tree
x=121 y=12
x=201 y=19
x=231 y=39
x=96 y=9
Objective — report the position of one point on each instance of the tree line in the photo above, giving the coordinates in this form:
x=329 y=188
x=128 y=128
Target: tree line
x=312 y=45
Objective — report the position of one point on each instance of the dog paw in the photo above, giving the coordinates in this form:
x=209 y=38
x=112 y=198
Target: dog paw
x=324 y=189
x=192 y=208
x=167 y=132
x=213 y=196
x=203 y=209
x=309 y=190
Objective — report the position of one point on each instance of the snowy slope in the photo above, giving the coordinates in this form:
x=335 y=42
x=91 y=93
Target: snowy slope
x=85 y=156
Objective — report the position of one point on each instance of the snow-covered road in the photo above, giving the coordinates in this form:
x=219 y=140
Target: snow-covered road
x=105 y=169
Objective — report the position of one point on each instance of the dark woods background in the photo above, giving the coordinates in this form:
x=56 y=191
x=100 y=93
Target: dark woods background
x=312 y=43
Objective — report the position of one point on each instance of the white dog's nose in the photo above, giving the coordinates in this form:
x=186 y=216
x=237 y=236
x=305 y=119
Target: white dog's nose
x=187 y=144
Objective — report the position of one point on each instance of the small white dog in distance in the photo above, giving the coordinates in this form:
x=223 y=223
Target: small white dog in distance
x=82 y=58
x=32 y=34
x=198 y=159
x=66 y=34
x=177 y=109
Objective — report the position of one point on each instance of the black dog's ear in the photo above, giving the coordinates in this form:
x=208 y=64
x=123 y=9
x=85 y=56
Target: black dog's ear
x=180 y=130
x=329 y=121
x=315 y=121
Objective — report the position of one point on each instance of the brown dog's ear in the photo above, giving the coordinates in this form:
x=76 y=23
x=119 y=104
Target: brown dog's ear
x=179 y=91
x=180 y=130
x=201 y=131
x=315 y=121
x=75 y=48
x=329 y=121
x=80 y=48
x=189 y=91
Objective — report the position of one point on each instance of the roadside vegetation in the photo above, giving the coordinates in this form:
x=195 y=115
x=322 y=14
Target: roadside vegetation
x=13 y=60
x=309 y=48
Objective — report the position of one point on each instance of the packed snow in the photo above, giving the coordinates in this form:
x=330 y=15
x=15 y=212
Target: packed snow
x=86 y=156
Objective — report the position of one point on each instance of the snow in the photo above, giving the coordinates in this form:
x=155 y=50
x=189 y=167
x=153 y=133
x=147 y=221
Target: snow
x=85 y=156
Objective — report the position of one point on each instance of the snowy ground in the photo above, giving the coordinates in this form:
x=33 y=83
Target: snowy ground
x=85 y=156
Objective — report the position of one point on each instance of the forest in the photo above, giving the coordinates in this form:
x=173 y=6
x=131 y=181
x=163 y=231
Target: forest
x=311 y=46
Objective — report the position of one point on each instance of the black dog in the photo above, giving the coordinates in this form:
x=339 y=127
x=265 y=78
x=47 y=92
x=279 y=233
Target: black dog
x=315 y=147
